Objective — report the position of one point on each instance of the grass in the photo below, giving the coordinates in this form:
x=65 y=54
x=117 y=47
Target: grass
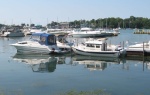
x=95 y=92
x=72 y=92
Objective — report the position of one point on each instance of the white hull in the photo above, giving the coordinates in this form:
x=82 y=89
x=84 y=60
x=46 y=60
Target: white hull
x=100 y=53
x=58 y=32
x=138 y=49
x=63 y=45
x=13 y=34
x=34 y=48
x=83 y=35
x=90 y=34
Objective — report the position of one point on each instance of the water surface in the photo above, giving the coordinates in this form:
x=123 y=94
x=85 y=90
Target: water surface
x=55 y=74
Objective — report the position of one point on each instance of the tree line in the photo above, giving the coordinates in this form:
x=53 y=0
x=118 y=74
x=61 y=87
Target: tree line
x=132 y=22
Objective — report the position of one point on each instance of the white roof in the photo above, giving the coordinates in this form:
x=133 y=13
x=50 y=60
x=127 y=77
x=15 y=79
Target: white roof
x=94 y=42
x=86 y=29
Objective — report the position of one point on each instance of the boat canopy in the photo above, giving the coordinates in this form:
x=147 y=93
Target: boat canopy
x=44 y=38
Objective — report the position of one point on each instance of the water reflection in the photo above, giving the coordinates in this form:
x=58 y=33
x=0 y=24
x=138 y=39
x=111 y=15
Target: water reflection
x=148 y=65
x=101 y=63
x=94 y=63
x=138 y=60
x=38 y=63
x=47 y=63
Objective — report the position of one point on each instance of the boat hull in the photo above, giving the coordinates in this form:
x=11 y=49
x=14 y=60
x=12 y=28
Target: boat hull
x=16 y=35
x=27 y=49
x=101 y=53
x=138 y=52
x=91 y=35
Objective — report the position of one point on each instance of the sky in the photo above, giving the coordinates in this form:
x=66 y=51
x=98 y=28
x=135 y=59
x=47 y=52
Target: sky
x=45 y=11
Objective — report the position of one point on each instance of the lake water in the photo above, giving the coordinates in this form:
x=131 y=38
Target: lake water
x=57 y=74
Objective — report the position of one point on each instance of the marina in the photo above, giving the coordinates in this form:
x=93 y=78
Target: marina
x=64 y=47
x=55 y=74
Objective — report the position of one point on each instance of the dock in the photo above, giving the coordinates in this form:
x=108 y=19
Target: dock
x=142 y=31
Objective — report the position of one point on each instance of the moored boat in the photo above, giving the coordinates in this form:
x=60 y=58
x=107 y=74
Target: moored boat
x=39 y=43
x=89 y=32
x=14 y=32
x=139 y=49
x=97 y=47
x=85 y=32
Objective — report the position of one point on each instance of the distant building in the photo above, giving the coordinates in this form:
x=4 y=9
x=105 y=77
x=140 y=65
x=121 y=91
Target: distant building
x=61 y=25
x=64 y=25
x=32 y=25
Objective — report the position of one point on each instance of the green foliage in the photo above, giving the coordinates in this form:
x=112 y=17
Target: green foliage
x=1 y=25
x=132 y=22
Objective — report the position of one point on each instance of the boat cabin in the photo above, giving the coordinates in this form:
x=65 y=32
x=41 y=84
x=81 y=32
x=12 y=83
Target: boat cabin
x=62 y=38
x=96 y=44
x=44 y=38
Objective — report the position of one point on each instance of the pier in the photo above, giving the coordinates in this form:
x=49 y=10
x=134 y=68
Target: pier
x=142 y=31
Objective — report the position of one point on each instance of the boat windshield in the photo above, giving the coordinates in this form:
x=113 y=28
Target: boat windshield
x=51 y=40
x=35 y=38
x=43 y=38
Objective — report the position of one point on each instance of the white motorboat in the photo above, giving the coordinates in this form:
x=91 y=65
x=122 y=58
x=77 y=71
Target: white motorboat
x=12 y=33
x=57 y=31
x=139 y=49
x=97 y=47
x=34 y=30
x=30 y=30
x=39 y=43
x=89 y=32
x=116 y=30
x=62 y=43
x=84 y=32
